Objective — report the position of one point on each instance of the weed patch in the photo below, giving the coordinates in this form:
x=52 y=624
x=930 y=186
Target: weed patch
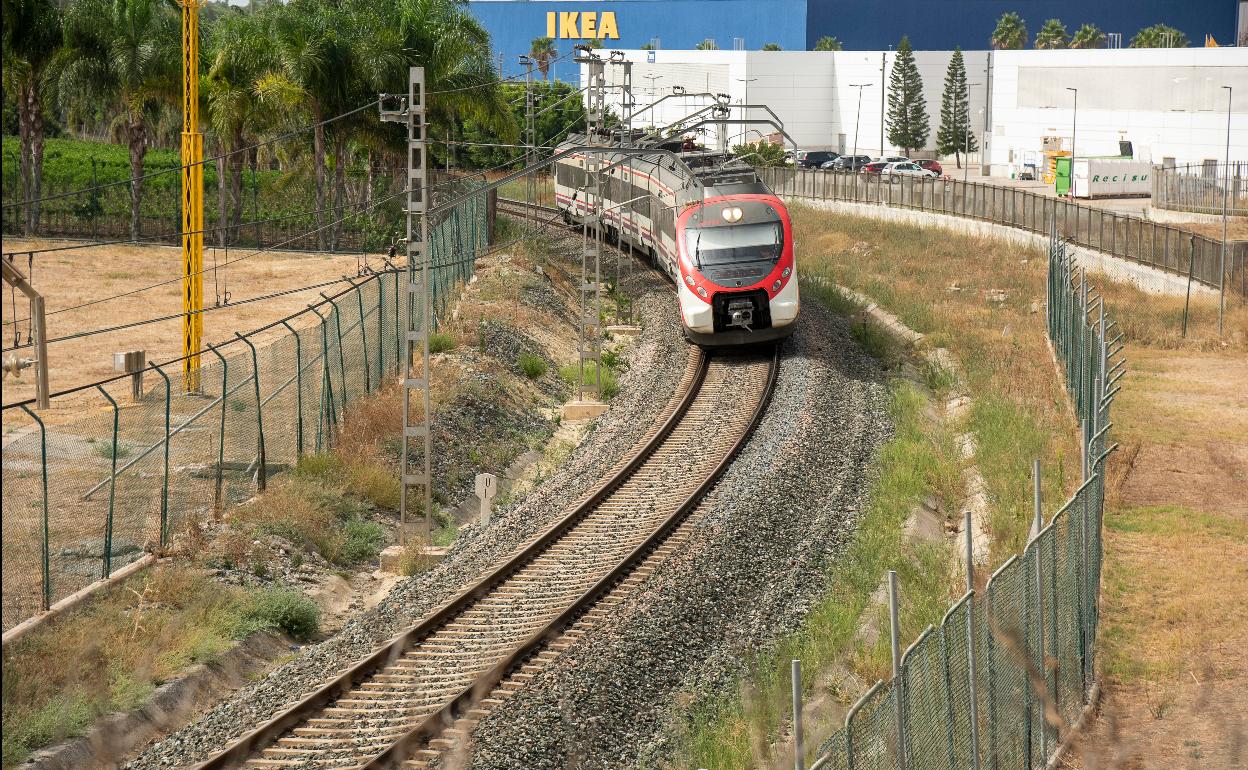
x=533 y=365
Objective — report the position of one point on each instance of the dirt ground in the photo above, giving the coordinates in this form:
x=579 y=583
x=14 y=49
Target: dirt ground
x=1175 y=601
x=78 y=276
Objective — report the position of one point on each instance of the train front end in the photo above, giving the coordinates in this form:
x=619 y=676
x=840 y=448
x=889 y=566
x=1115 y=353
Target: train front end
x=738 y=276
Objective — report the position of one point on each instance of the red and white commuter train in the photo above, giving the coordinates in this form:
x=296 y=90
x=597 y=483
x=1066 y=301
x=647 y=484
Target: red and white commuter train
x=708 y=221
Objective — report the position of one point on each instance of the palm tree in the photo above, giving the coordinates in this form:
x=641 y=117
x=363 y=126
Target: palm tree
x=706 y=45
x=1011 y=32
x=238 y=55
x=772 y=47
x=124 y=51
x=32 y=35
x=1088 y=36
x=1159 y=36
x=542 y=51
x=829 y=43
x=1052 y=35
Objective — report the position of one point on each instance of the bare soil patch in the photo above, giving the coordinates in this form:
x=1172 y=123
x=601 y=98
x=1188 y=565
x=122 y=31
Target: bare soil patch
x=1175 y=602
x=70 y=278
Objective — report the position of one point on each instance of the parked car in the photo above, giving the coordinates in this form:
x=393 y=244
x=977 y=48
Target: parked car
x=848 y=163
x=874 y=167
x=815 y=158
x=931 y=165
x=893 y=159
x=895 y=171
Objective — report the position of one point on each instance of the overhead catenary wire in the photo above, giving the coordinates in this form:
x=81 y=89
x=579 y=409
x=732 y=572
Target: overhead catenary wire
x=272 y=140
x=286 y=319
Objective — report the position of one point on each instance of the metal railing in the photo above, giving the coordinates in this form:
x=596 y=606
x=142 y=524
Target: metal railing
x=1157 y=245
x=84 y=498
x=1203 y=188
x=1000 y=681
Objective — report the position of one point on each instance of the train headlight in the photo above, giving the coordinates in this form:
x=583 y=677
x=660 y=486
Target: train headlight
x=702 y=292
x=776 y=286
x=732 y=214
x=785 y=272
x=689 y=279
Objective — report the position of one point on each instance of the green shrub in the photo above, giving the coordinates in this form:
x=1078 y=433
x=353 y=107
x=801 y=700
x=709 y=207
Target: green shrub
x=533 y=365
x=364 y=540
x=286 y=610
x=610 y=385
x=613 y=360
x=441 y=342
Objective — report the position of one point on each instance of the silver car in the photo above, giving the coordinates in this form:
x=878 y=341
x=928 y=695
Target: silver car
x=896 y=170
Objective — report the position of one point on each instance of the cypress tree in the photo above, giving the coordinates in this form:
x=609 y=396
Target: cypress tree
x=907 y=112
x=955 y=134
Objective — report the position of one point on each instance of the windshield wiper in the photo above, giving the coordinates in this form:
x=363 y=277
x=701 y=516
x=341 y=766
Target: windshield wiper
x=697 y=259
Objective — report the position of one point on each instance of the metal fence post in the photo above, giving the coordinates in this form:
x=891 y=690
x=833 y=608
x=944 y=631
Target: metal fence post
x=359 y=299
x=261 y=470
x=972 y=684
x=799 y=758
x=342 y=361
x=898 y=689
x=164 y=490
x=46 y=598
x=112 y=486
x=298 y=391
x=225 y=381
x=326 y=410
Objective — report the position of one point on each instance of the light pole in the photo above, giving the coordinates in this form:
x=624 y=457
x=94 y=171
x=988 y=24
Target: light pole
x=857 y=117
x=966 y=131
x=745 y=101
x=1074 y=124
x=1226 y=192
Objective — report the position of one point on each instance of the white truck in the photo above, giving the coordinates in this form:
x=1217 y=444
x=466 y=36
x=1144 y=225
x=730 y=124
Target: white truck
x=1111 y=178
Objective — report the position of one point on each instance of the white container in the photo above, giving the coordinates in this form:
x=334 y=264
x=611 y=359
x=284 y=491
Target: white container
x=1111 y=178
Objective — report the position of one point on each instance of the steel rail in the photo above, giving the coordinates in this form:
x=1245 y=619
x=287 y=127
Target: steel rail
x=242 y=748
x=442 y=719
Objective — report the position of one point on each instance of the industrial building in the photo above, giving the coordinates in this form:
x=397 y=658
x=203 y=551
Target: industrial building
x=797 y=25
x=1161 y=105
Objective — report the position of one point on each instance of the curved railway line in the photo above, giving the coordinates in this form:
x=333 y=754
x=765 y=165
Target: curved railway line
x=417 y=697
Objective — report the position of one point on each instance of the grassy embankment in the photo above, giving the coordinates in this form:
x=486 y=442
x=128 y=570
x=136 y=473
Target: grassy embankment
x=975 y=298
x=950 y=288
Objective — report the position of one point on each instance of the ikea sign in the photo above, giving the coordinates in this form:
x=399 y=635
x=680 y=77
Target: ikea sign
x=582 y=25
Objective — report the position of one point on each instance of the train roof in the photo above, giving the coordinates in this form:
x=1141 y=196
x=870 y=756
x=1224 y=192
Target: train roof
x=717 y=173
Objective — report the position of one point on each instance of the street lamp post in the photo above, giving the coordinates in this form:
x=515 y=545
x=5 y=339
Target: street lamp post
x=966 y=134
x=1226 y=191
x=857 y=117
x=745 y=101
x=1074 y=125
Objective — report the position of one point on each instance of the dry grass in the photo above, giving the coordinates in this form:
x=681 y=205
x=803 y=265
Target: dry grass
x=974 y=296
x=109 y=654
x=71 y=278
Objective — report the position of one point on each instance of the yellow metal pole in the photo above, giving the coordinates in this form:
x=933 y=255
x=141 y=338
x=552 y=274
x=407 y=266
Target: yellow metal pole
x=192 y=200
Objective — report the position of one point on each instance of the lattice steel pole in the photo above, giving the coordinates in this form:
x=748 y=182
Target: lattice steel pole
x=192 y=200
x=530 y=130
x=591 y=290
x=627 y=106
x=415 y=365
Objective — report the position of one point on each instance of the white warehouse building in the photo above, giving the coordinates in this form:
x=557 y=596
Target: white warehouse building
x=1169 y=104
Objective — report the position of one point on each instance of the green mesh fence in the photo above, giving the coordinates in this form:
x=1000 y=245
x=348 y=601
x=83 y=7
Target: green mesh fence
x=84 y=497
x=1121 y=235
x=1010 y=669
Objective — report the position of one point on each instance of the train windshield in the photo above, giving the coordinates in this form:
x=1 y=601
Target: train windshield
x=733 y=244
x=746 y=235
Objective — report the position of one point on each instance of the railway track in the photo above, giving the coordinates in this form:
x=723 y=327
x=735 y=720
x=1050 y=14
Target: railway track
x=417 y=697
x=525 y=210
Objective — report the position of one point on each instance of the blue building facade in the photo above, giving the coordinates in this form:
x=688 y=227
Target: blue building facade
x=796 y=25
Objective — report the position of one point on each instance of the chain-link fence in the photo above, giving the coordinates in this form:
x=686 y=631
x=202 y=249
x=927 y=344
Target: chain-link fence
x=1164 y=247
x=1009 y=669
x=1204 y=188
x=86 y=497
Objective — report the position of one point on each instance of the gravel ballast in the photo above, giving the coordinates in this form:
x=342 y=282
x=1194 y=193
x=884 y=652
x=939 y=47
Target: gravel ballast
x=656 y=364
x=755 y=565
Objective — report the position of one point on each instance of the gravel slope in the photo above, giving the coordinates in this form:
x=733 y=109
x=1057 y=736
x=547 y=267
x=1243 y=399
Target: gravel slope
x=656 y=362
x=755 y=565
